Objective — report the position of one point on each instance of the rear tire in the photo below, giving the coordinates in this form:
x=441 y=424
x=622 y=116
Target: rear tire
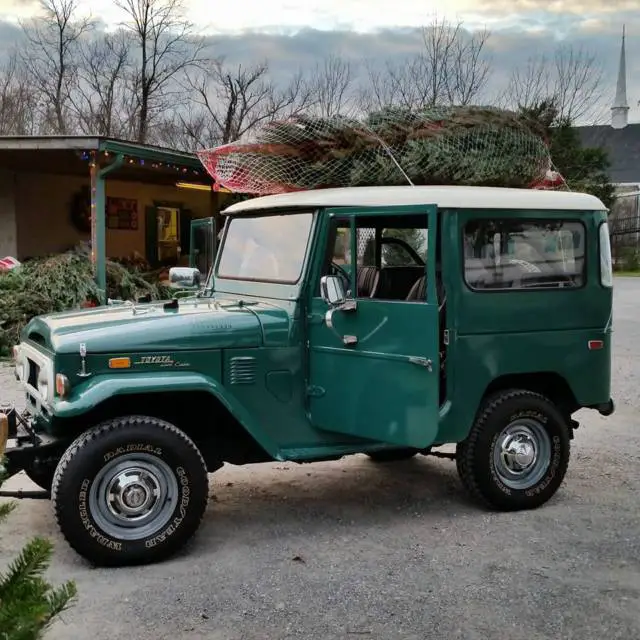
x=130 y=491
x=517 y=452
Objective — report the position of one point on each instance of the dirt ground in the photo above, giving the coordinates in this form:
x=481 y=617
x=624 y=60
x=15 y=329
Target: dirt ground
x=349 y=549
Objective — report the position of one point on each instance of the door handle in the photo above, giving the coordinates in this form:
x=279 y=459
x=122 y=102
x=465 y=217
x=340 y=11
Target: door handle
x=422 y=362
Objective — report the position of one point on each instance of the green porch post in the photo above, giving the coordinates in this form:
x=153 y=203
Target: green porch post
x=99 y=222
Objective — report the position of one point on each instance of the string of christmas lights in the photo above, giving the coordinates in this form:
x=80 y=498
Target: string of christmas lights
x=90 y=156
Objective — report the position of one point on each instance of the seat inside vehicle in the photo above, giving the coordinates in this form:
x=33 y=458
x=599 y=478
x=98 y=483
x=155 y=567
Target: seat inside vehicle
x=395 y=283
x=366 y=280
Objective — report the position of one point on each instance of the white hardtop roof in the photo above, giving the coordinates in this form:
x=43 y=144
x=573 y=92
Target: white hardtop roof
x=446 y=197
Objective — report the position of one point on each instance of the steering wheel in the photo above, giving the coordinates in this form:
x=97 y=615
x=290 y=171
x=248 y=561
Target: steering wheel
x=346 y=280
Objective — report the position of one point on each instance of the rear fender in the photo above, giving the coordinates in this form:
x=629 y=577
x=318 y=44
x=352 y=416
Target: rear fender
x=94 y=392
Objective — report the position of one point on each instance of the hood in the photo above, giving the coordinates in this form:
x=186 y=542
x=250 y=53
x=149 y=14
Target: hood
x=201 y=324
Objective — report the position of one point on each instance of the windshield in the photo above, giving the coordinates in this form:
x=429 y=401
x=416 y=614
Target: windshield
x=265 y=248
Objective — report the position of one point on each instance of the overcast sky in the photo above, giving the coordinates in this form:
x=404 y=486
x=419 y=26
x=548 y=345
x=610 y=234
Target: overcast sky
x=290 y=32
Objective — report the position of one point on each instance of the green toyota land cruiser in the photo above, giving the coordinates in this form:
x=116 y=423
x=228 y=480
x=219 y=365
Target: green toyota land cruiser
x=386 y=321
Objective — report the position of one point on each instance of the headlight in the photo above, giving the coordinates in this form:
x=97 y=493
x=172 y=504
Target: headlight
x=21 y=365
x=20 y=369
x=43 y=384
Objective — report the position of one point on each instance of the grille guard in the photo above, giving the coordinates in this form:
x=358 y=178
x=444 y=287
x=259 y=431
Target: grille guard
x=20 y=445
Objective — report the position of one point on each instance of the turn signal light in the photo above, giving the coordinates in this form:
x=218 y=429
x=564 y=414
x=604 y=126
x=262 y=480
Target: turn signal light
x=120 y=363
x=62 y=385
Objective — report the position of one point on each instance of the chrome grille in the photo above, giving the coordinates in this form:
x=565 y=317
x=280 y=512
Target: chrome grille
x=33 y=373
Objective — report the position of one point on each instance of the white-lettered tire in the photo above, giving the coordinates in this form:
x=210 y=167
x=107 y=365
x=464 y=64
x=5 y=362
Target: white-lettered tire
x=130 y=491
x=517 y=452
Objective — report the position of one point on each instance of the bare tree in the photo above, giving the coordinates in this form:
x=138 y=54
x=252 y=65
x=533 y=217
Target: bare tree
x=51 y=58
x=227 y=102
x=101 y=100
x=167 y=48
x=17 y=100
x=332 y=85
x=450 y=68
x=572 y=79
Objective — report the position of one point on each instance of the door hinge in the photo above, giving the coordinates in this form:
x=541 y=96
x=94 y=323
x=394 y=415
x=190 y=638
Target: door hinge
x=446 y=337
x=314 y=391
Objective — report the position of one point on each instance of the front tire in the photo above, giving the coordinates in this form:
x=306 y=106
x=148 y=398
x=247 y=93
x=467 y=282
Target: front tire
x=130 y=491
x=517 y=452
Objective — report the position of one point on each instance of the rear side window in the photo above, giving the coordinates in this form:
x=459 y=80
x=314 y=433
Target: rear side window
x=606 y=266
x=524 y=254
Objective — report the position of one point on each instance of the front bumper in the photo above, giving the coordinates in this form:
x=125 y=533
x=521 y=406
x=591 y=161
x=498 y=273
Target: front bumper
x=20 y=446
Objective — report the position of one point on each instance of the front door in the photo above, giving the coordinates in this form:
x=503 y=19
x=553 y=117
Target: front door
x=374 y=367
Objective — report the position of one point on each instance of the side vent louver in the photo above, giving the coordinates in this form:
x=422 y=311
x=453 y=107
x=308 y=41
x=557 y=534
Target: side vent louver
x=242 y=370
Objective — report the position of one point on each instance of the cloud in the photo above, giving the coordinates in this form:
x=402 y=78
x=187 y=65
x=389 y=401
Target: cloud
x=14 y=10
x=507 y=48
x=514 y=39
x=523 y=8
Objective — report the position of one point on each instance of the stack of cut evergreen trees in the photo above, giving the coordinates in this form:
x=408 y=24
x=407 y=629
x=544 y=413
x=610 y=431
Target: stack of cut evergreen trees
x=63 y=282
x=470 y=145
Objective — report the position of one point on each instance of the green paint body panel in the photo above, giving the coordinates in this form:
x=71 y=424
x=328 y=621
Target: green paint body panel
x=265 y=351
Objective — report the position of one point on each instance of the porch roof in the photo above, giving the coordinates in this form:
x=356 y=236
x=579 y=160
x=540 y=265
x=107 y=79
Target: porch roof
x=69 y=155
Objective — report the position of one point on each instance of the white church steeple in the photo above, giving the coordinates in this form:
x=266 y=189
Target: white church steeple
x=620 y=108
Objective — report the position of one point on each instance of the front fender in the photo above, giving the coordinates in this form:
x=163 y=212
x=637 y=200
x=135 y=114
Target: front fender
x=85 y=398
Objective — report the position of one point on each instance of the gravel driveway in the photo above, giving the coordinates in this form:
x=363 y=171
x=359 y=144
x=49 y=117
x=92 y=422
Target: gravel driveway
x=348 y=549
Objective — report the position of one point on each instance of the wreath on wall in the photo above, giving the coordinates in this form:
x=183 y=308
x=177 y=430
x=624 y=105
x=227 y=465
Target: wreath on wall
x=81 y=210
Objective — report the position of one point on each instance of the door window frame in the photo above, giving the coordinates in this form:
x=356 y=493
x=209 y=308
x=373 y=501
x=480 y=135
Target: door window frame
x=351 y=214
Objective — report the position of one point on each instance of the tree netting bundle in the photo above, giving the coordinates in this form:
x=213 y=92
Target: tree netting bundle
x=478 y=146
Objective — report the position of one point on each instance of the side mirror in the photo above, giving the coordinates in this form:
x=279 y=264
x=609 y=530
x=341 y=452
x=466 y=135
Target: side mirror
x=184 y=278
x=332 y=290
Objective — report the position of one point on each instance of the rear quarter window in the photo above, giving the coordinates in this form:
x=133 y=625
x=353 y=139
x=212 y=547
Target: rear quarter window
x=606 y=264
x=517 y=254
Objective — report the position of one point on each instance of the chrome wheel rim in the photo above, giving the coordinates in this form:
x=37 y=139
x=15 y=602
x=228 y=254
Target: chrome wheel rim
x=522 y=454
x=133 y=497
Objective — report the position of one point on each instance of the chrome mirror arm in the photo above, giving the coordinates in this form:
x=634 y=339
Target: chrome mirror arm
x=348 y=306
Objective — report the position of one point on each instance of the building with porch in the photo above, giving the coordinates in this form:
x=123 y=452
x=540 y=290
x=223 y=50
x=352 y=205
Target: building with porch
x=126 y=199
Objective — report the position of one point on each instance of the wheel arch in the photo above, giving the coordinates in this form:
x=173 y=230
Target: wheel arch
x=547 y=383
x=207 y=413
x=457 y=418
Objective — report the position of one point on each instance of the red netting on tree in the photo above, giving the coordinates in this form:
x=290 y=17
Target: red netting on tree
x=441 y=146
